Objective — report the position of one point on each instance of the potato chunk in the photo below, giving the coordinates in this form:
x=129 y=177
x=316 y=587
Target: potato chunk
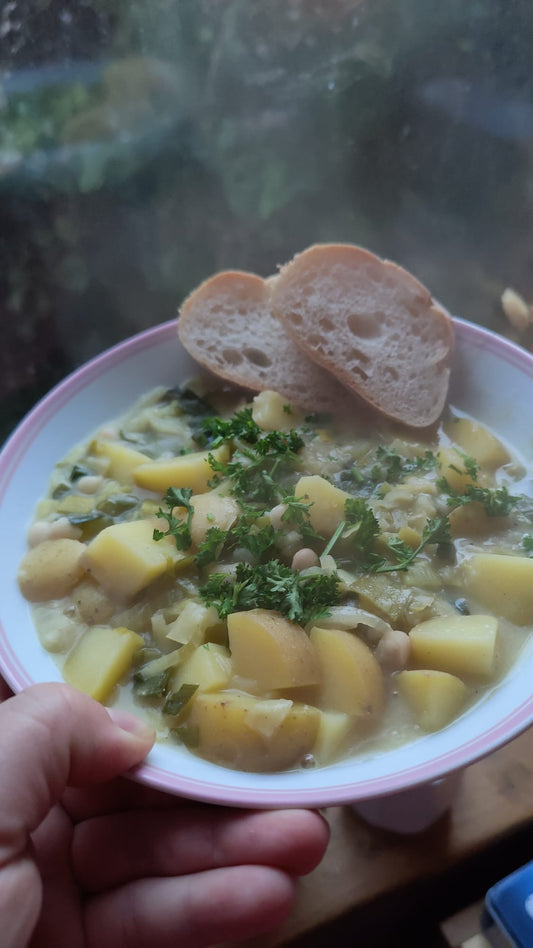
x=478 y=442
x=327 y=502
x=472 y=520
x=188 y=470
x=124 y=558
x=503 y=584
x=247 y=733
x=123 y=460
x=51 y=569
x=334 y=732
x=209 y=667
x=100 y=658
x=461 y=645
x=436 y=697
x=351 y=678
x=271 y=651
x=212 y=510
x=451 y=464
x=271 y=412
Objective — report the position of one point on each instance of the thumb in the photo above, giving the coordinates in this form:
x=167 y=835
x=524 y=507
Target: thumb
x=52 y=736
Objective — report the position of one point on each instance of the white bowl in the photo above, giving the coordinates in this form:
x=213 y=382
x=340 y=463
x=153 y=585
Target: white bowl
x=492 y=380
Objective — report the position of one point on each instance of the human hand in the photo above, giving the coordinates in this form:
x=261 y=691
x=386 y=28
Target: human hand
x=113 y=864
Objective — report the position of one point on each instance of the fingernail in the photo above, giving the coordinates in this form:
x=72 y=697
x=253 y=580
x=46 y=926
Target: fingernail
x=130 y=723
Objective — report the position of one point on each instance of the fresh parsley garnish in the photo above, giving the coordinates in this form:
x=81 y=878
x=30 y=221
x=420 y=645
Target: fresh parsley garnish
x=240 y=427
x=297 y=515
x=497 y=502
x=392 y=467
x=360 y=527
x=178 y=527
x=272 y=585
x=436 y=530
x=259 y=475
x=256 y=469
x=211 y=546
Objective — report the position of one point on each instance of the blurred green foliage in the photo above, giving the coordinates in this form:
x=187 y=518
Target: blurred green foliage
x=145 y=144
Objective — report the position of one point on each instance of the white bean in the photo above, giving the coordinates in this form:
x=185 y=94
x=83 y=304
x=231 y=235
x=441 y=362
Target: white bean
x=38 y=532
x=58 y=529
x=63 y=529
x=304 y=559
x=393 y=649
x=89 y=483
x=57 y=632
x=51 y=569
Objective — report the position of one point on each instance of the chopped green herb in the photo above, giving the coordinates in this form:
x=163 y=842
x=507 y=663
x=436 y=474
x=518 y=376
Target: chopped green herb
x=257 y=469
x=359 y=526
x=297 y=515
x=118 y=504
x=211 y=546
x=272 y=585
x=155 y=686
x=393 y=467
x=435 y=531
x=91 y=523
x=177 y=700
x=318 y=418
x=497 y=502
x=362 y=527
x=79 y=470
x=241 y=427
x=61 y=490
x=178 y=528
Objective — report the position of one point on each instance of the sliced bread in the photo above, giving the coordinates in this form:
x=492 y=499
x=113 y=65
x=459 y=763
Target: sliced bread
x=372 y=325
x=227 y=325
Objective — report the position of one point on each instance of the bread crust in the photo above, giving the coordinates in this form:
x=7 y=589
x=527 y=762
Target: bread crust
x=372 y=324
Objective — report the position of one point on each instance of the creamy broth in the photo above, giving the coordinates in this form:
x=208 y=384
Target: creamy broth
x=308 y=587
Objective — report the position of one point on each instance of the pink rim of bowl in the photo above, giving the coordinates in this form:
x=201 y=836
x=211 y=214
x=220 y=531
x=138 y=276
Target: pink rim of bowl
x=235 y=788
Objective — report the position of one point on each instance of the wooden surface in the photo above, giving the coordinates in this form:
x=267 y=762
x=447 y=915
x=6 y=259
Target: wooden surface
x=364 y=865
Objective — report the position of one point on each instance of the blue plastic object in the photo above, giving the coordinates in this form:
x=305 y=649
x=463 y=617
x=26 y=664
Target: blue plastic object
x=510 y=903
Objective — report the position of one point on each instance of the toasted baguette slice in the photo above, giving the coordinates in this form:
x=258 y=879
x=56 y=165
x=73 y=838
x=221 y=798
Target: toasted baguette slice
x=226 y=325
x=371 y=324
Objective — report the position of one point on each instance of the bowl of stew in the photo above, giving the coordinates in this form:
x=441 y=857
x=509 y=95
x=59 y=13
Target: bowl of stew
x=310 y=610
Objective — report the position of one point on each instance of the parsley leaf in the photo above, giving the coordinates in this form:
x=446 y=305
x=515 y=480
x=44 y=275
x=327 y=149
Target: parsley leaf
x=497 y=502
x=211 y=546
x=436 y=530
x=392 y=466
x=362 y=527
x=297 y=515
x=256 y=470
x=241 y=426
x=359 y=526
x=178 y=527
x=272 y=585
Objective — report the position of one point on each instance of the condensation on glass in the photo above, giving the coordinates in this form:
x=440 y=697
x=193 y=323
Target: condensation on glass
x=144 y=145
